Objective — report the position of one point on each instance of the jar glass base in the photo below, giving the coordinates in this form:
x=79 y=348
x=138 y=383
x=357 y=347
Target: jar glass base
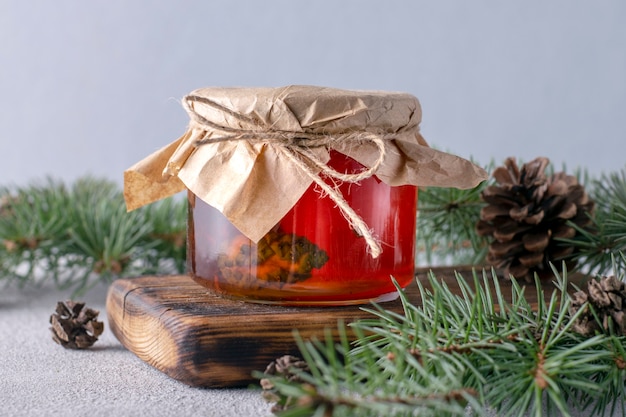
x=295 y=301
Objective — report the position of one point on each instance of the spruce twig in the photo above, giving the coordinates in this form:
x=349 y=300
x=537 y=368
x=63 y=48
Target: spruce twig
x=340 y=382
x=79 y=235
x=511 y=356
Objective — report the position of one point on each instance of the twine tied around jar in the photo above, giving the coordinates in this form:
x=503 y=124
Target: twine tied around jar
x=296 y=147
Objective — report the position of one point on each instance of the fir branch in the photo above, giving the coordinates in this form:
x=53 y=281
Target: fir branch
x=167 y=239
x=507 y=355
x=340 y=382
x=78 y=236
x=31 y=221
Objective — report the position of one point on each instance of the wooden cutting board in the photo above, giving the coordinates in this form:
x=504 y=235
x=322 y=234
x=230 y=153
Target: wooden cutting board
x=182 y=329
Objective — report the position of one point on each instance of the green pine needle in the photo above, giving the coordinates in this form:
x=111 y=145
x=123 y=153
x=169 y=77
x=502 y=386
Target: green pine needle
x=596 y=248
x=445 y=225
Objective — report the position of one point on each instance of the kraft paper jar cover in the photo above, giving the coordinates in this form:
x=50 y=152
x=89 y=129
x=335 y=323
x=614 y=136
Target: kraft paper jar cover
x=252 y=152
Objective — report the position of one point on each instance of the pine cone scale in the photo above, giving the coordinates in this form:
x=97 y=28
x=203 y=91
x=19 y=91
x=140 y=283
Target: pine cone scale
x=60 y=331
x=491 y=212
x=500 y=249
x=535 y=219
x=536 y=242
x=569 y=211
x=532 y=172
x=505 y=176
x=531 y=259
x=506 y=229
x=564 y=232
x=558 y=187
x=519 y=213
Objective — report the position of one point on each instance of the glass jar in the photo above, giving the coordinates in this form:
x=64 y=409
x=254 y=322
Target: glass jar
x=312 y=256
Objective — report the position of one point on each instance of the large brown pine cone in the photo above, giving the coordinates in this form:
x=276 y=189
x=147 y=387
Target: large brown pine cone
x=526 y=212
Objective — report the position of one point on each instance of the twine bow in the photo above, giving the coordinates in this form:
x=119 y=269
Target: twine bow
x=296 y=146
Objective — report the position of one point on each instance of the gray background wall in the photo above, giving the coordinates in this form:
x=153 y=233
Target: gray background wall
x=90 y=87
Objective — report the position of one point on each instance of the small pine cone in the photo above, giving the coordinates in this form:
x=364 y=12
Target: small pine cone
x=74 y=326
x=607 y=298
x=526 y=212
x=283 y=366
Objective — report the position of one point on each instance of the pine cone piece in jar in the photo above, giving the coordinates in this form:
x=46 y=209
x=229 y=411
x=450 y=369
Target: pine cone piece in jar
x=526 y=213
x=74 y=326
x=282 y=258
x=285 y=257
x=606 y=297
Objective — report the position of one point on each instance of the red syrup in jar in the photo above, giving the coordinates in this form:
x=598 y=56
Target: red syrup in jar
x=322 y=260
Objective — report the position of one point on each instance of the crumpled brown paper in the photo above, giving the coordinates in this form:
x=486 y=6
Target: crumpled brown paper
x=252 y=152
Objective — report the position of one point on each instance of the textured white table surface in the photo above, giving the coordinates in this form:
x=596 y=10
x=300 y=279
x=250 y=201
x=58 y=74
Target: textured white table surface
x=40 y=378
